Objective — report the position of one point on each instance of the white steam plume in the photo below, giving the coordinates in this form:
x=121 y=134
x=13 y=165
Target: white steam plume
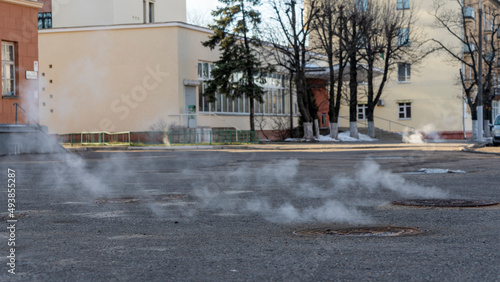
x=340 y=202
x=419 y=136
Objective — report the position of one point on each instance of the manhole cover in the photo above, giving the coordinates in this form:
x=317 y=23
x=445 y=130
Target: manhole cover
x=445 y=203
x=386 y=231
x=149 y=199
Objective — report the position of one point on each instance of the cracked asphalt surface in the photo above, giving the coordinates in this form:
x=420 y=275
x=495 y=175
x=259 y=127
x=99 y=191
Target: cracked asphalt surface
x=70 y=233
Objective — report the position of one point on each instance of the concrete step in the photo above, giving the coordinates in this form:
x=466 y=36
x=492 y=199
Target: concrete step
x=26 y=139
x=380 y=134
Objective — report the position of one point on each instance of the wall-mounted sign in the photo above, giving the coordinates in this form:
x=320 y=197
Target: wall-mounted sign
x=35 y=66
x=31 y=75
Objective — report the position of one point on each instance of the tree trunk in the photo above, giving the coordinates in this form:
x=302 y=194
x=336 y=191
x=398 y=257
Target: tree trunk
x=334 y=130
x=308 y=131
x=487 y=131
x=316 y=128
x=252 y=116
x=353 y=129
x=474 y=129
x=371 y=129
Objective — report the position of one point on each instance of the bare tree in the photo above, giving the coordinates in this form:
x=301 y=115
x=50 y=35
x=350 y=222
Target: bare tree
x=459 y=25
x=290 y=51
x=329 y=27
x=390 y=38
x=280 y=125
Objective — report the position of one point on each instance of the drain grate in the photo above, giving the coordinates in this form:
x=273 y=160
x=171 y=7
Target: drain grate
x=385 y=231
x=445 y=203
x=149 y=199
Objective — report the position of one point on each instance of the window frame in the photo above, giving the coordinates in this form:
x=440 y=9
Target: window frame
x=45 y=20
x=7 y=62
x=404 y=37
x=403 y=4
x=407 y=73
x=362 y=5
x=361 y=115
x=404 y=112
x=151 y=9
x=275 y=95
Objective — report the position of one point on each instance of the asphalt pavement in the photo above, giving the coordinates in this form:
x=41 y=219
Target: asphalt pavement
x=232 y=214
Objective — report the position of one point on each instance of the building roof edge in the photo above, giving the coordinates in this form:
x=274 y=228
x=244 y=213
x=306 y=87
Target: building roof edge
x=125 y=26
x=27 y=3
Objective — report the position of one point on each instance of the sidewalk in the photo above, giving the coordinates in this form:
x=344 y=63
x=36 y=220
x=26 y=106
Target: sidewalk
x=291 y=146
x=482 y=149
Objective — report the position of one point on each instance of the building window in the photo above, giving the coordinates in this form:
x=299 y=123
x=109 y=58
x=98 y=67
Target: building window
x=44 y=20
x=362 y=5
x=323 y=119
x=404 y=37
x=496 y=108
x=8 y=69
x=362 y=108
x=403 y=4
x=404 y=72
x=151 y=12
x=148 y=8
x=276 y=96
x=404 y=110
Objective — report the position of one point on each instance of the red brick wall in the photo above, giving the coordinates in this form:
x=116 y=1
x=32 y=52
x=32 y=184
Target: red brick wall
x=47 y=6
x=19 y=24
x=322 y=99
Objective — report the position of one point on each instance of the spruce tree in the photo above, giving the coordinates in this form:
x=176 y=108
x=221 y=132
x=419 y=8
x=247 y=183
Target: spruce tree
x=238 y=71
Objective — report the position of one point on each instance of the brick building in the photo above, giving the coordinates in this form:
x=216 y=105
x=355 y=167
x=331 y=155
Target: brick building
x=19 y=58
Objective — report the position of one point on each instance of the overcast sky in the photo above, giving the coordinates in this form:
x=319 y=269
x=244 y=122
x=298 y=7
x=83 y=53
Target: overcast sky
x=202 y=9
x=205 y=6
x=201 y=4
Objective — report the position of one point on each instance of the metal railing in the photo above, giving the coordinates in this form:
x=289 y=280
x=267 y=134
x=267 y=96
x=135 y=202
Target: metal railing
x=213 y=137
x=191 y=120
x=105 y=138
x=176 y=137
x=95 y=138
x=364 y=124
x=26 y=113
x=394 y=122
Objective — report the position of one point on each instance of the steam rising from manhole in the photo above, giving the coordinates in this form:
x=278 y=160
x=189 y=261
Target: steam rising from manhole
x=445 y=203
x=385 y=231
x=150 y=199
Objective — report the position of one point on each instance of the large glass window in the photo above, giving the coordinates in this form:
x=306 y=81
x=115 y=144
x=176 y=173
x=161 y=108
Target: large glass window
x=8 y=69
x=276 y=96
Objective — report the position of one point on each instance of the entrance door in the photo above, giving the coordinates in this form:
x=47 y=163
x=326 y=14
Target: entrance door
x=190 y=107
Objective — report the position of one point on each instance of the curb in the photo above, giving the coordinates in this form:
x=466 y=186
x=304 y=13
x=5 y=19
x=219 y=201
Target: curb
x=262 y=148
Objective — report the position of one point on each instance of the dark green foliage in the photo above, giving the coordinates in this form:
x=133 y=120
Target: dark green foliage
x=239 y=70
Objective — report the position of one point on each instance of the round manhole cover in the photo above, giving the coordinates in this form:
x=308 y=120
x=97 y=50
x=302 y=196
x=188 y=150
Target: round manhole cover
x=445 y=203
x=149 y=199
x=385 y=231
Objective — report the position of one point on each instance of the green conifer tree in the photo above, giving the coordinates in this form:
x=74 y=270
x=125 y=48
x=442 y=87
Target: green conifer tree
x=239 y=71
